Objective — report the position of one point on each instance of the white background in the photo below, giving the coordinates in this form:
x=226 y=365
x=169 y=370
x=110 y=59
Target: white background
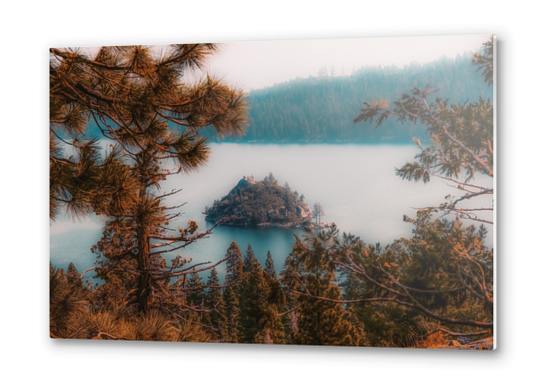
x=28 y=30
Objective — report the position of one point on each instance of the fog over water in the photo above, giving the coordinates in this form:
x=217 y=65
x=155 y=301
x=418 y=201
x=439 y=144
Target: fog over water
x=356 y=185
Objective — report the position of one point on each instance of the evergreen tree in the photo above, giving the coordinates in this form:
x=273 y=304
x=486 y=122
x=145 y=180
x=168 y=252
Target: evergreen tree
x=260 y=299
x=231 y=304
x=68 y=314
x=138 y=100
x=215 y=302
x=253 y=292
x=440 y=280
x=270 y=267
x=250 y=260
x=288 y=277
x=234 y=264
x=234 y=276
x=310 y=273
x=195 y=297
x=318 y=212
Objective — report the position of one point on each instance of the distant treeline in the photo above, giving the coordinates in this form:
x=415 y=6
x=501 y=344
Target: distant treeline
x=322 y=109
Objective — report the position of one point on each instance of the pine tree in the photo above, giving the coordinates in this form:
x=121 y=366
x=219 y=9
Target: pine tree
x=270 y=267
x=139 y=100
x=318 y=212
x=253 y=292
x=215 y=302
x=324 y=323
x=234 y=264
x=234 y=276
x=68 y=314
x=288 y=280
x=195 y=297
x=260 y=298
x=310 y=273
x=250 y=260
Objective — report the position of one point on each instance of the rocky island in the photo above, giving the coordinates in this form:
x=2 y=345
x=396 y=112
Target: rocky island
x=253 y=203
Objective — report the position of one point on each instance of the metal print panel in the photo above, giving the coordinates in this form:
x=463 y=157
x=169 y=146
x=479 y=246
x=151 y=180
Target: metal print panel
x=316 y=192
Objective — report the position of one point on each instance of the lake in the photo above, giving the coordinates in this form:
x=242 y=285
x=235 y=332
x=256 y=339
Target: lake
x=356 y=185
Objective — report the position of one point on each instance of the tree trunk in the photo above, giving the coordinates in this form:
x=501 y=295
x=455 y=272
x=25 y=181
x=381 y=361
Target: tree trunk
x=293 y=322
x=267 y=336
x=143 y=250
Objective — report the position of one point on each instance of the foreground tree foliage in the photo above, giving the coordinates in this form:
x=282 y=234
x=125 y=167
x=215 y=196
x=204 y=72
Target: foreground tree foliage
x=152 y=119
x=441 y=280
x=76 y=312
x=310 y=273
x=461 y=137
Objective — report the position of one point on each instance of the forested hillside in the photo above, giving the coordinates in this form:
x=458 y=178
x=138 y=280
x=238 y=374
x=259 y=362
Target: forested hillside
x=320 y=109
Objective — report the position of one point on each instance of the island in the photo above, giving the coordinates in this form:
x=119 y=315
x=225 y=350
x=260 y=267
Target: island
x=263 y=203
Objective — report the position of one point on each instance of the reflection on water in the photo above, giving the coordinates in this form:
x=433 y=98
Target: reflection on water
x=356 y=185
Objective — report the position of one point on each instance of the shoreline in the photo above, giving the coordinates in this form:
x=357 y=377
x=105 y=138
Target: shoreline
x=278 y=225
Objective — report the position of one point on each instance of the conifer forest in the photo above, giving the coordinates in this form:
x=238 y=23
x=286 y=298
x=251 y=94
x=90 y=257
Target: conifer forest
x=144 y=142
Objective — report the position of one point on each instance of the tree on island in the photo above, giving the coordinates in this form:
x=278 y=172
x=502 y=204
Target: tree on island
x=140 y=103
x=289 y=200
x=318 y=212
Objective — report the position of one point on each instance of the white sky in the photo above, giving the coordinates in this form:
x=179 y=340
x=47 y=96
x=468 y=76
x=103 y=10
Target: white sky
x=259 y=64
x=253 y=65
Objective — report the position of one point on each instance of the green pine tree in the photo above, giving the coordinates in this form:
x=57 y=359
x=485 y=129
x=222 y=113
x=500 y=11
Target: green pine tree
x=270 y=266
x=234 y=276
x=253 y=291
x=195 y=297
x=250 y=260
x=141 y=102
x=260 y=300
x=215 y=302
x=234 y=265
x=310 y=273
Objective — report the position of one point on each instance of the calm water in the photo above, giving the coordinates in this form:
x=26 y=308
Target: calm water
x=356 y=185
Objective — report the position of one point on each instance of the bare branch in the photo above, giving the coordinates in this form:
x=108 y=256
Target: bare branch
x=85 y=271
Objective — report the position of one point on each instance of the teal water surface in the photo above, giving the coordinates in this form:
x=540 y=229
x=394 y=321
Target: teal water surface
x=356 y=185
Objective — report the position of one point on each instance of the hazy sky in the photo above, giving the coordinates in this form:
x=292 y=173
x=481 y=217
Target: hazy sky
x=259 y=64
x=253 y=65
